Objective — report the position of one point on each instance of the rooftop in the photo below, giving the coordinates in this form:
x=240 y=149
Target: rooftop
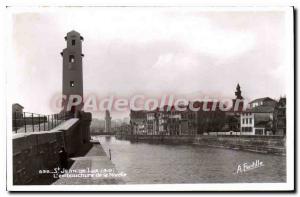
x=262 y=99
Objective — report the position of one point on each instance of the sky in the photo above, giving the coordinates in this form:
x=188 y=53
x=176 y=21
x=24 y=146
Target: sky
x=149 y=50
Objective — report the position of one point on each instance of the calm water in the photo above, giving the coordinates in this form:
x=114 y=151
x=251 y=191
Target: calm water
x=158 y=163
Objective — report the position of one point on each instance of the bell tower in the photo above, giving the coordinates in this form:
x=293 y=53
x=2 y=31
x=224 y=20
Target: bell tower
x=72 y=83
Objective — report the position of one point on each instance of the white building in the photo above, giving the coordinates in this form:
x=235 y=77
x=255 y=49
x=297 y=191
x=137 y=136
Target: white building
x=257 y=120
x=247 y=123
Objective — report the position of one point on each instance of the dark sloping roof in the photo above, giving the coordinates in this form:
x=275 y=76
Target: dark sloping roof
x=262 y=109
x=262 y=99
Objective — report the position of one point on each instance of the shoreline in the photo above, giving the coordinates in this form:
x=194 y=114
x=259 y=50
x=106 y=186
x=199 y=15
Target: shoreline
x=264 y=145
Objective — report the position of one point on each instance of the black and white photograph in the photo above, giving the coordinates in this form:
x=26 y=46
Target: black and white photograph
x=150 y=98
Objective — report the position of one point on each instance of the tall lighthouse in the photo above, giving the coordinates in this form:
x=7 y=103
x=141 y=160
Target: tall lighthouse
x=72 y=85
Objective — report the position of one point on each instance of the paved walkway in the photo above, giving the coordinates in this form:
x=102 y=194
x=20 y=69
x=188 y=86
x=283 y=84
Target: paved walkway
x=95 y=160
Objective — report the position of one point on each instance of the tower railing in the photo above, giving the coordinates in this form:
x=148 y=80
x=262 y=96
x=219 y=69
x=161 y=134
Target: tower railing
x=32 y=122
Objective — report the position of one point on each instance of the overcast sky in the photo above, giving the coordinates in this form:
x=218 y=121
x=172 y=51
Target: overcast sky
x=149 y=50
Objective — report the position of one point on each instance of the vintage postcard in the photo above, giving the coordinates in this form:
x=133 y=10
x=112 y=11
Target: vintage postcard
x=150 y=98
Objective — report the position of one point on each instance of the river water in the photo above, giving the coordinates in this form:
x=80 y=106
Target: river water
x=146 y=163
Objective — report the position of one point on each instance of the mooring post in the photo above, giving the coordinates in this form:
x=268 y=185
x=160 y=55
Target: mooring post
x=109 y=154
x=24 y=119
x=39 y=123
x=32 y=122
x=48 y=120
x=55 y=119
x=52 y=121
x=15 y=122
x=45 y=118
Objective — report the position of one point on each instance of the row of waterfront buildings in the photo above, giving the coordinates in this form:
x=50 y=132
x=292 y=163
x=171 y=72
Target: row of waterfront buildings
x=263 y=116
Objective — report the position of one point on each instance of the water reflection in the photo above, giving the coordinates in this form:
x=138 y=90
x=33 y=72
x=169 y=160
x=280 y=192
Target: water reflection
x=158 y=163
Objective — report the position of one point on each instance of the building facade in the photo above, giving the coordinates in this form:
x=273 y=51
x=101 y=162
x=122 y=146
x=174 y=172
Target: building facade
x=280 y=117
x=258 y=118
x=169 y=121
x=138 y=122
x=188 y=123
x=152 y=125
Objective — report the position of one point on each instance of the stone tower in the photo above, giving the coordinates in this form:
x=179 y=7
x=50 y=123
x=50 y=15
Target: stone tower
x=72 y=70
x=107 y=122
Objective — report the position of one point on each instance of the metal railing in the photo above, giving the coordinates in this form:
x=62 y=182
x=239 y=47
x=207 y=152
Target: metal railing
x=32 y=122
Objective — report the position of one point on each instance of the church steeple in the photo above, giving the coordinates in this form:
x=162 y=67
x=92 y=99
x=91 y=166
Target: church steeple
x=238 y=92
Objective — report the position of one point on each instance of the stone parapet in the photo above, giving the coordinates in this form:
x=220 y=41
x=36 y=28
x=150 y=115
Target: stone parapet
x=35 y=151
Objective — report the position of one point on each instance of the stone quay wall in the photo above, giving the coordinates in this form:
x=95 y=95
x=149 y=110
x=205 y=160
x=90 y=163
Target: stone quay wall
x=261 y=144
x=36 y=151
x=167 y=139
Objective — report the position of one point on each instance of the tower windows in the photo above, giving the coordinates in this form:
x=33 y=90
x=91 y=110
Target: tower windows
x=73 y=42
x=71 y=59
x=72 y=84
